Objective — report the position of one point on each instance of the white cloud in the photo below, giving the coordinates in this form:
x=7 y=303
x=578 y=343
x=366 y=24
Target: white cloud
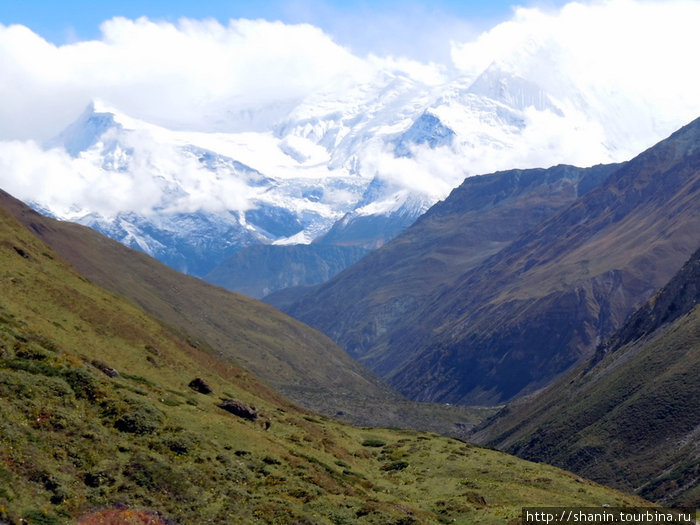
x=193 y=75
x=637 y=57
x=152 y=176
x=207 y=76
x=619 y=68
x=52 y=176
x=429 y=172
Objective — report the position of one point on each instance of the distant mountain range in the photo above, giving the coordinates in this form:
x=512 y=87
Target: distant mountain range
x=348 y=168
x=516 y=276
x=520 y=287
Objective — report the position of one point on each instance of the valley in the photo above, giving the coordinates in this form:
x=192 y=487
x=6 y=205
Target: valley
x=82 y=364
x=99 y=411
x=297 y=361
x=336 y=263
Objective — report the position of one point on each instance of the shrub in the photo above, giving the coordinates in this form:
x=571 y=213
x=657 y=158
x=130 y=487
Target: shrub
x=179 y=443
x=38 y=517
x=83 y=384
x=139 y=418
x=373 y=443
x=155 y=475
x=395 y=465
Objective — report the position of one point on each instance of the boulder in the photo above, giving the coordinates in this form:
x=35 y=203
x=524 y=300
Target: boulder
x=239 y=409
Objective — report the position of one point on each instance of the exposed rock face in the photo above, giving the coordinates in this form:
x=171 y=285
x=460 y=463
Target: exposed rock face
x=240 y=409
x=675 y=299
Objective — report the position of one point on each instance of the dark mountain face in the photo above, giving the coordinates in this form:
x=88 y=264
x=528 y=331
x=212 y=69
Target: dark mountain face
x=546 y=300
x=503 y=303
x=368 y=300
x=628 y=416
x=676 y=299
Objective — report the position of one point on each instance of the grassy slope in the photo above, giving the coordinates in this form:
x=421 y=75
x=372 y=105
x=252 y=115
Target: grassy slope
x=628 y=417
x=73 y=439
x=300 y=362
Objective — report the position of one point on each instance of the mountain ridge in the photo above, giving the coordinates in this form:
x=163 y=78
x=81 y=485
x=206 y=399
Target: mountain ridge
x=569 y=280
x=644 y=198
x=356 y=163
x=479 y=218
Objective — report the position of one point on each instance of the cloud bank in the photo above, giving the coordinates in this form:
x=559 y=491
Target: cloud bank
x=635 y=56
x=620 y=66
x=196 y=74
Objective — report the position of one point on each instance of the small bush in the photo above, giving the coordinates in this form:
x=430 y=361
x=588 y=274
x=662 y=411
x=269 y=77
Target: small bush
x=31 y=352
x=140 y=418
x=19 y=385
x=178 y=443
x=38 y=517
x=155 y=475
x=34 y=367
x=83 y=384
x=373 y=443
x=395 y=465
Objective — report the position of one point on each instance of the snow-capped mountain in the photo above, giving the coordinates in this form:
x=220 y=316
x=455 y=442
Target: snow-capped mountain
x=194 y=202
x=348 y=166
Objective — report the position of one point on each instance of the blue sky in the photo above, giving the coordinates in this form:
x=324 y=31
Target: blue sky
x=415 y=29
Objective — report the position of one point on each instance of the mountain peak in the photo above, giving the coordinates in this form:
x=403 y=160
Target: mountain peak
x=513 y=90
x=87 y=129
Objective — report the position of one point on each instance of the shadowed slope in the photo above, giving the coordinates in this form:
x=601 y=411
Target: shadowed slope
x=629 y=416
x=545 y=301
x=296 y=360
x=542 y=301
x=372 y=298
